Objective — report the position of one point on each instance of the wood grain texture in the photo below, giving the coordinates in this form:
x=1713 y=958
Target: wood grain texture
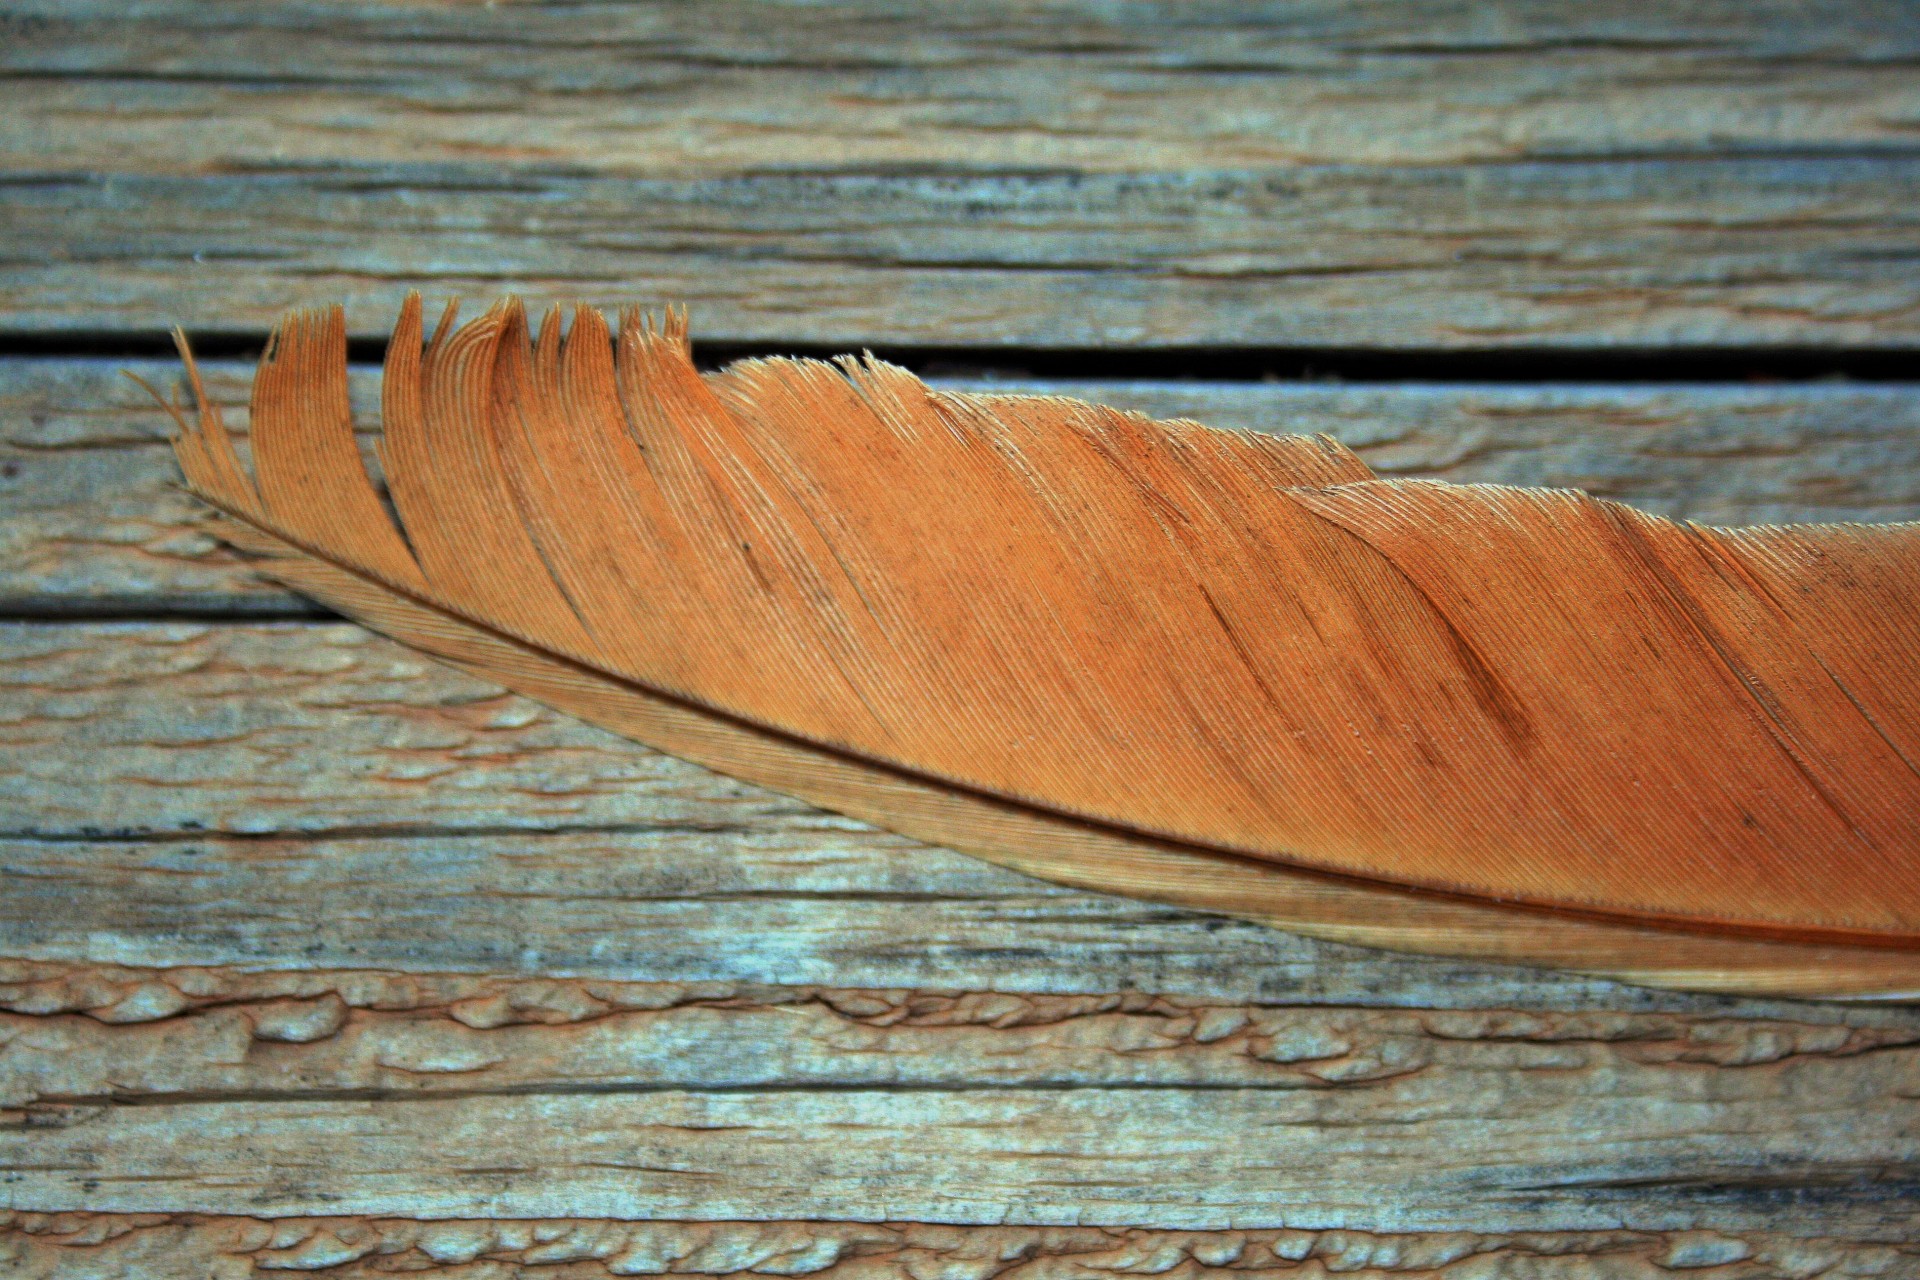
x=559 y=848
x=1577 y=253
x=1388 y=174
x=39 y=1246
x=712 y=87
x=90 y=1032
x=131 y=1088
x=1394 y=174
x=646 y=1100
x=1410 y=1155
x=94 y=518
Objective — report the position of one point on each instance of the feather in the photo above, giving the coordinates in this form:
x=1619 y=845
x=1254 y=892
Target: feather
x=1230 y=670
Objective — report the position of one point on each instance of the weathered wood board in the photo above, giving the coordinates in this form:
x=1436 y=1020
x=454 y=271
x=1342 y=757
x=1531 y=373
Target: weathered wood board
x=1187 y=1156
x=1325 y=175
x=314 y=955
x=711 y=87
x=1738 y=251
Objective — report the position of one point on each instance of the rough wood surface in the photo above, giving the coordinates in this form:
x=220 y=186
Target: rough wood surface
x=1385 y=174
x=38 y=1246
x=277 y=901
x=1180 y=1156
x=88 y=1032
x=663 y=1100
x=648 y=1100
x=95 y=519
x=709 y=87
x=1654 y=252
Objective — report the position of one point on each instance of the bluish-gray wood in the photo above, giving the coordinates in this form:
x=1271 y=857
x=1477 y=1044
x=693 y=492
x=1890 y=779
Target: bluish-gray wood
x=1752 y=252
x=293 y=924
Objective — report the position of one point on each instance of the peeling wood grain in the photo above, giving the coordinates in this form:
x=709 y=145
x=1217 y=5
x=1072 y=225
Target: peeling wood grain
x=93 y=517
x=268 y=776
x=163 y=1246
x=716 y=87
x=735 y=1090
x=1761 y=251
x=88 y=1035
x=1406 y=1155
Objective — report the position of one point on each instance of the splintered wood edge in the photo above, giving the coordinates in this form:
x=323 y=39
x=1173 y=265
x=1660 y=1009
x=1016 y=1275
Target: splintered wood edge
x=1089 y=857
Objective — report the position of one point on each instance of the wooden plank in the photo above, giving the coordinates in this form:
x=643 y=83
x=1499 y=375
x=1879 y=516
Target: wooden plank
x=194 y=1246
x=90 y=1033
x=267 y=776
x=1643 y=253
x=717 y=87
x=1429 y=1152
x=325 y=738
x=94 y=518
x=258 y=730
x=761 y=903
x=1330 y=176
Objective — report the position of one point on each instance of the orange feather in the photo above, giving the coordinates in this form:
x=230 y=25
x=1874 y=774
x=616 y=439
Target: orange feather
x=1232 y=657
